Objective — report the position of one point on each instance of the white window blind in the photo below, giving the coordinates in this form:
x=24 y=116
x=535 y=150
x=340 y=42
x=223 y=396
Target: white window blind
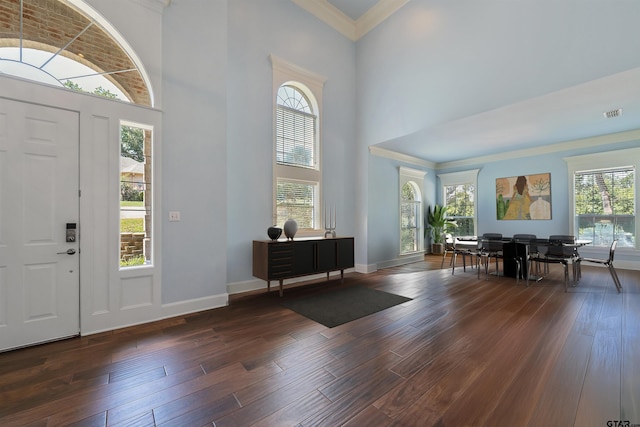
x=295 y=137
x=605 y=205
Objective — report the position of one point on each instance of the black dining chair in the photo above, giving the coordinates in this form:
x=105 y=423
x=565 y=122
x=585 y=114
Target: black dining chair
x=451 y=246
x=608 y=262
x=492 y=236
x=448 y=248
x=549 y=252
x=488 y=248
x=563 y=246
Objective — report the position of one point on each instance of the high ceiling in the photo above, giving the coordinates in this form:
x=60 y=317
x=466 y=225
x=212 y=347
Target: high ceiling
x=354 y=9
x=573 y=113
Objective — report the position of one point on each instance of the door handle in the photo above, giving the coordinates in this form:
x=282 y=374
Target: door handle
x=69 y=251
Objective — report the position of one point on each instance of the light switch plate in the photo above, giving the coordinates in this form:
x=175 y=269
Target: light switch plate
x=174 y=216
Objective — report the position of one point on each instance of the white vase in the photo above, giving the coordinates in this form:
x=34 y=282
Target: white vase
x=290 y=228
x=540 y=209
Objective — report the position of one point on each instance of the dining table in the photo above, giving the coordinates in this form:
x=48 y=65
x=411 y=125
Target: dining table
x=516 y=254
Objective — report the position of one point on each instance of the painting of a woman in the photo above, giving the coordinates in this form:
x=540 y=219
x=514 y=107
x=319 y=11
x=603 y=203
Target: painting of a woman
x=524 y=197
x=520 y=203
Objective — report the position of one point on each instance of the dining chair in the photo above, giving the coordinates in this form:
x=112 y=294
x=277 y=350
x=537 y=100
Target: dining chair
x=448 y=248
x=488 y=248
x=548 y=253
x=563 y=246
x=461 y=249
x=608 y=262
x=492 y=236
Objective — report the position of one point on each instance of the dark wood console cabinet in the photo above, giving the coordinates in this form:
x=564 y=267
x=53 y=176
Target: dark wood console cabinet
x=280 y=260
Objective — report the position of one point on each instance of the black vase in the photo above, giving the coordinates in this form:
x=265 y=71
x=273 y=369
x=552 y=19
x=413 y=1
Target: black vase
x=274 y=232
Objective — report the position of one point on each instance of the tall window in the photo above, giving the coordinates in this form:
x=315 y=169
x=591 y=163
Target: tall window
x=135 y=195
x=297 y=166
x=459 y=194
x=410 y=219
x=411 y=211
x=604 y=205
x=295 y=148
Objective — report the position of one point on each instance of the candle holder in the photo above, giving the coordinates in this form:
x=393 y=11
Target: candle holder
x=330 y=225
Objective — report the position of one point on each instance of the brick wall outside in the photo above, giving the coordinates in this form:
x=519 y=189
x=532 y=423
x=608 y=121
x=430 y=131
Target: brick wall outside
x=131 y=245
x=50 y=24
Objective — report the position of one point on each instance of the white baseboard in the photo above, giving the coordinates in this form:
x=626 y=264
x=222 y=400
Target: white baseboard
x=366 y=268
x=408 y=259
x=164 y=311
x=194 y=305
x=257 y=284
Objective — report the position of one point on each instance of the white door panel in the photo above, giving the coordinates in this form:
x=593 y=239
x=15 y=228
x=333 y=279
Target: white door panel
x=39 y=281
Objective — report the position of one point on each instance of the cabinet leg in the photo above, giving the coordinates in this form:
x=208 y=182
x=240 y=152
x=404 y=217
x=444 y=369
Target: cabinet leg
x=342 y=276
x=327 y=275
x=268 y=286
x=280 y=287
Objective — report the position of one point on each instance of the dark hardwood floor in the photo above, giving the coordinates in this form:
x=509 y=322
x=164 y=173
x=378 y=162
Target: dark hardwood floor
x=463 y=352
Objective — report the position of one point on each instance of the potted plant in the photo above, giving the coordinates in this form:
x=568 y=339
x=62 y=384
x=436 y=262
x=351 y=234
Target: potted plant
x=439 y=225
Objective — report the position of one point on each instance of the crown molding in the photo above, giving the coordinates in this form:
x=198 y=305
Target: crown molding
x=394 y=155
x=330 y=15
x=378 y=13
x=353 y=30
x=594 y=141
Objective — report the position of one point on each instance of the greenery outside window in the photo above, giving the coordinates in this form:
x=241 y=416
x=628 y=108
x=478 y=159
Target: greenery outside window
x=297 y=171
x=411 y=211
x=410 y=219
x=459 y=195
x=603 y=200
x=297 y=199
x=135 y=195
x=605 y=206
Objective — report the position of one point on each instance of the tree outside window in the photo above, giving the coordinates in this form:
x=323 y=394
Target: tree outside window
x=461 y=207
x=605 y=206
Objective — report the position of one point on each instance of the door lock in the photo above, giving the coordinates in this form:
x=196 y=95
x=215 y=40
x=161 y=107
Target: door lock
x=71 y=232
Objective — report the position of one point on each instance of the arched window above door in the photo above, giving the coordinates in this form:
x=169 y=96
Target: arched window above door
x=63 y=43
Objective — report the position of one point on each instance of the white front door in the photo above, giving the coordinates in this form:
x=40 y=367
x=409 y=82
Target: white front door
x=39 y=277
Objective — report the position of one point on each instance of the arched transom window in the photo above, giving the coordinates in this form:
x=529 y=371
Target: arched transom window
x=297 y=193
x=58 y=43
x=295 y=129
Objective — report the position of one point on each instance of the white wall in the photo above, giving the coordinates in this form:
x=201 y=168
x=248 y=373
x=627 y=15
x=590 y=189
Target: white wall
x=435 y=61
x=194 y=167
x=211 y=73
x=184 y=49
x=257 y=29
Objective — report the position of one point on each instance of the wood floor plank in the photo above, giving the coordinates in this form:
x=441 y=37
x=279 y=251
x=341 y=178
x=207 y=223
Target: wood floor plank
x=218 y=386
x=516 y=405
x=300 y=409
x=630 y=369
x=600 y=397
x=432 y=390
x=480 y=397
x=463 y=351
x=202 y=414
x=276 y=401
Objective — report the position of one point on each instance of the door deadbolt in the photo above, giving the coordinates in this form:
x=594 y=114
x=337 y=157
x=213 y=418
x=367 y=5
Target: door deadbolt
x=71 y=232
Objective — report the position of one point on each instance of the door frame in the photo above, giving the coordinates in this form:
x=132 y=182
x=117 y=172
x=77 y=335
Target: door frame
x=110 y=298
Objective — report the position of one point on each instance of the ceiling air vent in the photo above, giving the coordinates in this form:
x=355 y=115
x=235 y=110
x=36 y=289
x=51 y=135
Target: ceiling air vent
x=613 y=113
